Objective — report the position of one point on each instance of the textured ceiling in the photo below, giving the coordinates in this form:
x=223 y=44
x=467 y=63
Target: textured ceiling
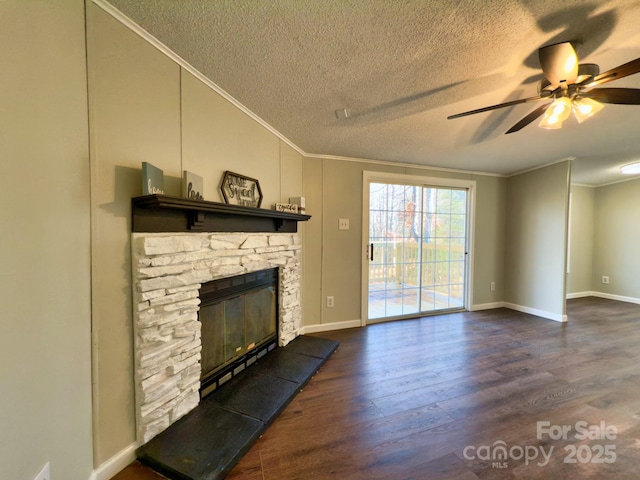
x=399 y=68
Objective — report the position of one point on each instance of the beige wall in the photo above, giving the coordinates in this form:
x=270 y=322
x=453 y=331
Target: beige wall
x=333 y=258
x=535 y=266
x=616 y=240
x=135 y=116
x=218 y=137
x=605 y=232
x=581 y=234
x=145 y=107
x=45 y=356
x=490 y=238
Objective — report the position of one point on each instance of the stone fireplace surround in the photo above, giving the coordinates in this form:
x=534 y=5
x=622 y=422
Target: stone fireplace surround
x=168 y=270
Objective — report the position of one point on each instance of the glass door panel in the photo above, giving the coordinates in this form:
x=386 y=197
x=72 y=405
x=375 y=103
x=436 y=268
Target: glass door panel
x=418 y=235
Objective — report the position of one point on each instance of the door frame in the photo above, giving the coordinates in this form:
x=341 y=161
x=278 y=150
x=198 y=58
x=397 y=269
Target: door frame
x=424 y=181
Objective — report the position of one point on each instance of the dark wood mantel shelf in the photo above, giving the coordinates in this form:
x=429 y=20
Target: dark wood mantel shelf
x=163 y=213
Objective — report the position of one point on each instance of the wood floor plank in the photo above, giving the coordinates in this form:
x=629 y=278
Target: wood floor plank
x=411 y=399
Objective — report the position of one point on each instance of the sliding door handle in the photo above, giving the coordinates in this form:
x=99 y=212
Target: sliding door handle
x=371 y=252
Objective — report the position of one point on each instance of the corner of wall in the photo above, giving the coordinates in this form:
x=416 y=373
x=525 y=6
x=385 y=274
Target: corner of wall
x=115 y=464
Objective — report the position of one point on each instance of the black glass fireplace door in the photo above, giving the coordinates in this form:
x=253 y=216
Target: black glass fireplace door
x=239 y=324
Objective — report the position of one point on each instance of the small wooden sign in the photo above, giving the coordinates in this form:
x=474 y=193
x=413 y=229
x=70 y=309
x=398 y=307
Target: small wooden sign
x=152 y=179
x=192 y=186
x=241 y=190
x=286 y=207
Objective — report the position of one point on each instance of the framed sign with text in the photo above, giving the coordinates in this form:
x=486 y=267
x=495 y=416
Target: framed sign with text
x=241 y=190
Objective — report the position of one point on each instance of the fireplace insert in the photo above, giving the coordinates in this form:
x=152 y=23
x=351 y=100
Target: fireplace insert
x=239 y=317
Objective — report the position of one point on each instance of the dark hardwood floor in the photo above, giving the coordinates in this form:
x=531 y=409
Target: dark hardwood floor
x=432 y=398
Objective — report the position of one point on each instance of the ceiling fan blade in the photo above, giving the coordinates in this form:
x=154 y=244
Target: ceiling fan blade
x=619 y=96
x=529 y=118
x=559 y=63
x=615 y=73
x=500 y=105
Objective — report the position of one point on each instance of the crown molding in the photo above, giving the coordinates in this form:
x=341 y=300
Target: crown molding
x=565 y=159
x=402 y=165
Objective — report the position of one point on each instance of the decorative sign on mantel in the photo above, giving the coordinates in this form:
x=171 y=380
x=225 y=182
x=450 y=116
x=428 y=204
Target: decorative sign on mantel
x=241 y=190
x=192 y=186
x=152 y=179
x=286 y=207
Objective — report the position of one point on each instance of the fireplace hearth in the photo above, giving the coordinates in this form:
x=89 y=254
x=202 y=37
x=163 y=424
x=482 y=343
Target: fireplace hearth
x=206 y=443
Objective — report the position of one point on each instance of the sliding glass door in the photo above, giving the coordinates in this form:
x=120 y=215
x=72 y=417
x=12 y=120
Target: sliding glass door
x=417 y=249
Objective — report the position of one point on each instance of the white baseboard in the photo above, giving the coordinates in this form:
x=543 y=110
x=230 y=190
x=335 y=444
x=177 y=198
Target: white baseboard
x=619 y=298
x=326 y=327
x=579 y=295
x=608 y=296
x=538 y=313
x=115 y=464
x=486 y=306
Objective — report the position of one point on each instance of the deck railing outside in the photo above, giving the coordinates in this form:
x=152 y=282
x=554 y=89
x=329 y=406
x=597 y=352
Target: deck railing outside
x=398 y=261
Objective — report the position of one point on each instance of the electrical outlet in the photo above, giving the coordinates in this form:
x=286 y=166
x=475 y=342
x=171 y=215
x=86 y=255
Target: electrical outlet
x=329 y=302
x=605 y=279
x=493 y=286
x=343 y=224
x=44 y=473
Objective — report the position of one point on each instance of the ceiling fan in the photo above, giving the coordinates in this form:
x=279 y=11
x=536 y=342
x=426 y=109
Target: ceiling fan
x=569 y=86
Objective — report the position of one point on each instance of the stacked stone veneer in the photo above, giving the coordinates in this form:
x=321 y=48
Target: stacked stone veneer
x=168 y=270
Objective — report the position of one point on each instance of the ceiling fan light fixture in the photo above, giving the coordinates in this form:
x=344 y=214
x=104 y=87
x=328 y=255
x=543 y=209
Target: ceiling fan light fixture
x=631 y=169
x=566 y=81
x=550 y=122
x=584 y=108
x=556 y=114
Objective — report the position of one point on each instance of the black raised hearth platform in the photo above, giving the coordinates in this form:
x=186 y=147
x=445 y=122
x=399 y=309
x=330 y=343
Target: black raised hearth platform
x=206 y=443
